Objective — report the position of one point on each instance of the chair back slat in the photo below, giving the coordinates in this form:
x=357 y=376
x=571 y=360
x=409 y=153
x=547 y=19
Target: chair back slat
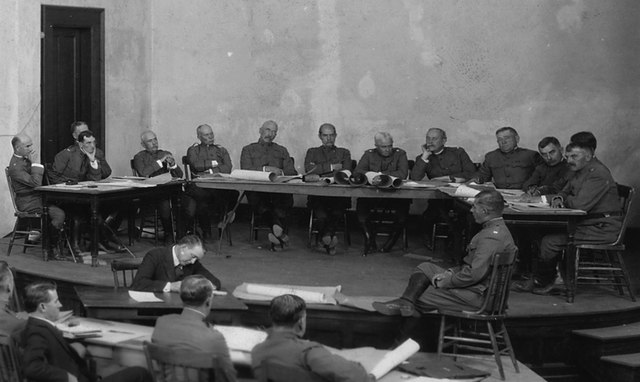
x=123 y=267
x=168 y=364
x=625 y=194
x=187 y=168
x=10 y=367
x=12 y=192
x=497 y=292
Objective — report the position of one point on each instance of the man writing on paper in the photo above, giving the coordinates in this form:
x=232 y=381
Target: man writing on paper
x=151 y=162
x=163 y=269
x=47 y=356
x=326 y=160
x=550 y=176
x=190 y=329
x=386 y=159
x=285 y=346
x=461 y=287
x=591 y=189
x=268 y=156
x=443 y=162
x=26 y=174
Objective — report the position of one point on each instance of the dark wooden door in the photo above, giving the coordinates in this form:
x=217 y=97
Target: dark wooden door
x=72 y=75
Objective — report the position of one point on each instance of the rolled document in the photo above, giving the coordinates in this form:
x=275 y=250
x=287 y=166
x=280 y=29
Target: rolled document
x=342 y=177
x=328 y=180
x=378 y=179
x=394 y=358
x=395 y=181
x=357 y=179
x=464 y=191
x=271 y=291
x=254 y=175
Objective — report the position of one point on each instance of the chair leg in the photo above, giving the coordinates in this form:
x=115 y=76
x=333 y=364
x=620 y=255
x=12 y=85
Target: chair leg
x=507 y=341
x=496 y=350
x=310 y=230
x=347 y=234
x=441 y=336
x=13 y=236
x=625 y=275
x=253 y=234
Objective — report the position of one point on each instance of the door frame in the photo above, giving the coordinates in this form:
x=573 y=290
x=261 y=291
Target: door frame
x=78 y=17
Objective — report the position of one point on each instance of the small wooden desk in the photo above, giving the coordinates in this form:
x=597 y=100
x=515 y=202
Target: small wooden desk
x=109 y=304
x=86 y=193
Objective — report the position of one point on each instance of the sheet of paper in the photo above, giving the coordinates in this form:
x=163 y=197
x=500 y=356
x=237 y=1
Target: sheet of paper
x=239 y=338
x=160 y=179
x=395 y=357
x=144 y=296
x=465 y=191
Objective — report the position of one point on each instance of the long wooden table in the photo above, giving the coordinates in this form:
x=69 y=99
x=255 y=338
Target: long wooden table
x=93 y=194
x=109 y=304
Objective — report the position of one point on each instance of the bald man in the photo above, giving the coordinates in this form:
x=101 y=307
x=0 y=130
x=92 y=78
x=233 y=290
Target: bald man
x=266 y=155
x=207 y=158
x=388 y=160
x=152 y=161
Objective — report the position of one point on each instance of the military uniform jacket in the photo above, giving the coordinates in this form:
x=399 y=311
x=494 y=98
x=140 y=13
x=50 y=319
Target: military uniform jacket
x=509 y=170
x=24 y=178
x=188 y=330
x=259 y=154
x=494 y=238
x=593 y=189
x=146 y=164
x=308 y=356
x=395 y=164
x=200 y=157
x=452 y=161
x=549 y=179
x=319 y=159
x=72 y=164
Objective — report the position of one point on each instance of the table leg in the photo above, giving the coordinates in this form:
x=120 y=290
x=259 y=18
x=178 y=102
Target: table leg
x=570 y=262
x=95 y=229
x=45 y=231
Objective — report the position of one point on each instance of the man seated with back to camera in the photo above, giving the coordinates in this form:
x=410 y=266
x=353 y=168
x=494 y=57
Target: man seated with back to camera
x=47 y=356
x=190 y=330
x=326 y=160
x=452 y=163
x=163 y=269
x=285 y=346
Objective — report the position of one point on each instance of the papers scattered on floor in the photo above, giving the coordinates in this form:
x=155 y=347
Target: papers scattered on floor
x=265 y=292
x=144 y=296
x=395 y=357
x=239 y=338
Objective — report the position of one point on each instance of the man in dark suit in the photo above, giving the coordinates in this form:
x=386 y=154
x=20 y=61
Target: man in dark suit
x=163 y=269
x=9 y=320
x=48 y=357
x=190 y=330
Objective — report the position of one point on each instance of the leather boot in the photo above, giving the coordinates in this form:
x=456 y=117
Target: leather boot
x=370 y=245
x=391 y=241
x=404 y=306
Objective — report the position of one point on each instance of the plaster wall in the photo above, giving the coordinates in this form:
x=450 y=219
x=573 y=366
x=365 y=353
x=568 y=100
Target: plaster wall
x=544 y=67
x=127 y=73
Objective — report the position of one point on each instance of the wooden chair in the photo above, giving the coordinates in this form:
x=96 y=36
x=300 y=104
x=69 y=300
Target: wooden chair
x=123 y=267
x=10 y=367
x=168 y=364
x=490 y=317
x=605 y=266
x=313 y=231
x=273 y=371
x=25 y=223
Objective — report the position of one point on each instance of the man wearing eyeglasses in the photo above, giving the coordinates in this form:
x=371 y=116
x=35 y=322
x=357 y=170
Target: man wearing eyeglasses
x=326 y=160
x=163 y=269
x=388 y=160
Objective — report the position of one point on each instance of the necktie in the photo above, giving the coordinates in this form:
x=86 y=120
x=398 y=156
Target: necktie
x=179 y=272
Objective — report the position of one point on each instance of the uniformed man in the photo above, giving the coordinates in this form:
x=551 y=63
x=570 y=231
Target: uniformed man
x=325 y=161
x=207 y=158
x=550 y=176
x=388 y=160
x=450 y=163
x=591 y=189
x=509 y=166
x=266 y=155
x=26 y=174
x=462 y=287
x=152 y=162
x=81 y=162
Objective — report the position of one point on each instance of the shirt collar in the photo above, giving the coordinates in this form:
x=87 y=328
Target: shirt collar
x=440 y=152
x=492 y=222
x=43 y=319
x=176 y=262
x=195 y=311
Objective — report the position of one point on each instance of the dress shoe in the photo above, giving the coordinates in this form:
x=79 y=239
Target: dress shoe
x=550 y=289
x=397 y=307
x=391 y=241
x=523 y=285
